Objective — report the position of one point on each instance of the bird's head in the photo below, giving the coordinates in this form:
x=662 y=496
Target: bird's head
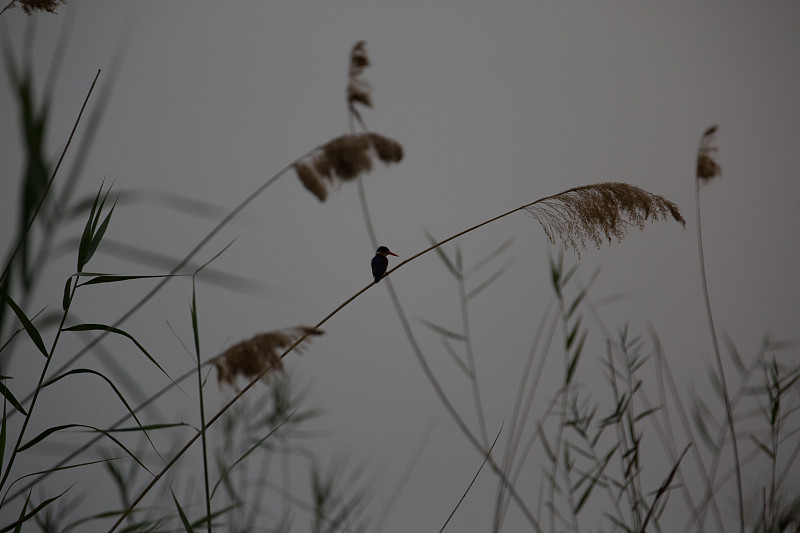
x=384 y=251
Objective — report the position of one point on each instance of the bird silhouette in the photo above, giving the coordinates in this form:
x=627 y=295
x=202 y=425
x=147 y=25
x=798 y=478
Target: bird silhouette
x=380 y=262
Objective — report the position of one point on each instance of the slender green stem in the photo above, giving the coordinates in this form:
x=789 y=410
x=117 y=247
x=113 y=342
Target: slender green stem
x=718 y=358
x=27 y=229
x=344 y=304
x=183 y=262
x=37 y=390
x=196 y=331
x=473 y=376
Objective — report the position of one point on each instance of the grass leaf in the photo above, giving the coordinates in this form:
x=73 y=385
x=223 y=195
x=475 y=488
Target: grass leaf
x=33 y=333
x=442 y=331
x=17 y=526
x=13 y=401
x=187 y=526
x=103 y=327
x=443 y=256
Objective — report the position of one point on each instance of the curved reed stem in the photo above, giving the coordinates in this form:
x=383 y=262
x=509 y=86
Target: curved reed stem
x=344 y=304
x=718 y=360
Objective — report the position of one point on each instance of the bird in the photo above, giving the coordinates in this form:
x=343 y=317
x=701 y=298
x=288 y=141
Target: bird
x=380 y=262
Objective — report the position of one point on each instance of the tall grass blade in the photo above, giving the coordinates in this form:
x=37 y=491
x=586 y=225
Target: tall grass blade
x=17 y=526
x=30 y=329
x=49 y=431
x=486 y=458
x=494 y=253
x=491 y=279
x=663 y=489
x=3 y=436
x=442 y=330
x=187 y=526
x=456 y=273
x=78 y=371
x=204 y=444
x=117 y=331
x=13 y=401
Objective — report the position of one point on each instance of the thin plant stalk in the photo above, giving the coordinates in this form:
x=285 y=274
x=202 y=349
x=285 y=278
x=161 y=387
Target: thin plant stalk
x=476 y=393
x=36 y=391
x=301 y=338
x=196 y=332
x=715 y=343
x=24 y=234
x=488 y=453
x=183 y=262
x=515 y=433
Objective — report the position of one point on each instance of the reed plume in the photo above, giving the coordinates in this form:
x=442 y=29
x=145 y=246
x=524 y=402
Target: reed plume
x=343 y=159
x=599 y=213
x=359 y=91
x=707 y=167
x=29 y=6
x=259 y=355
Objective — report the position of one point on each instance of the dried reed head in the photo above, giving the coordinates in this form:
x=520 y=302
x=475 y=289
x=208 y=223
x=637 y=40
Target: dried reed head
x=707 y=167
x=29 y=6
x=345 y=158
x=358 y=89
x=599 y=213
x=259 y=356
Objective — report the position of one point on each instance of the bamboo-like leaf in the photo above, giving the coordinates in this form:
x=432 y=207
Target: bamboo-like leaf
x=494 y=253
x=663 y=489
x=116 y=391
x=763 y=447
x=98 y=236
x=573 y=332
x=595 y=479
x=86 y=235
x=573 y=364
x=67 y=300
x=18 y=526
x=443 y=256
x=646 y=413
x=187 y=526
x=33 y=333
x=49 y=431
x=3 y=436
x=109 y=278
x=12 y=400
x=103 y=327
x=205 y=519
x=442 y=331
x=24 y=517
x=60 y=468
x=254 y=447
x=494 y=277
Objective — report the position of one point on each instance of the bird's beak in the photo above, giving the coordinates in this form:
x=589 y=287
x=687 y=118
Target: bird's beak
x=394 y=254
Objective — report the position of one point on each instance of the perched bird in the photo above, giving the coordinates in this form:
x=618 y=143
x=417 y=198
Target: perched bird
x=380 y=262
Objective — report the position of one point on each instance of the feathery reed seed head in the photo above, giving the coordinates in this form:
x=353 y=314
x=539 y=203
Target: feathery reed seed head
x=707 y=167
x=29 y=6
x=311 y=181
x=345 y=158
x=599 y=213
x=259 y=355
x=358 y=89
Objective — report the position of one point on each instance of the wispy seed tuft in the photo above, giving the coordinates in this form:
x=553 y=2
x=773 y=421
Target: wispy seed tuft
x=30 y=6
x=707 y=167
x=259 y=355
x=358 y=88
x=599 y=213
x=344 y=159
x=311 y=181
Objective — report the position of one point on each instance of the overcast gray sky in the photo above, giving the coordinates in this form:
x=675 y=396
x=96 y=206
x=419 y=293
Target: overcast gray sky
x=496 y=104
